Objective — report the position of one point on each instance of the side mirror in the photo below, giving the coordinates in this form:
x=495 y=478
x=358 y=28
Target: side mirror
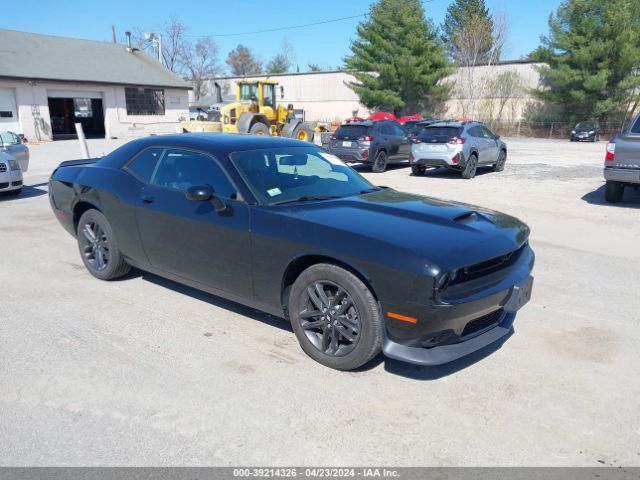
x=200 y=193
x=203 y=193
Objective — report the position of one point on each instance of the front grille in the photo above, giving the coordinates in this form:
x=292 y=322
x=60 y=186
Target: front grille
x=482 y=323
x=3 y=167
x=489 y=266
x=4 y=185
x=16 y=183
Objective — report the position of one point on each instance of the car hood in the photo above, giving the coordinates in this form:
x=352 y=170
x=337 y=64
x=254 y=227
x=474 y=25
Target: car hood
x=446 y=234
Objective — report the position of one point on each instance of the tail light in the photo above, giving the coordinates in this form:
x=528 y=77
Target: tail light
x=365 y=138
x=365 y=154
x=332 y=138
x=411 y=157
x=611 y=152
x=457 y=141
x=456 y=158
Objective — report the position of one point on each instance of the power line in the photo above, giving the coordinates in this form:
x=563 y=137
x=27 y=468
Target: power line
x=281 y=28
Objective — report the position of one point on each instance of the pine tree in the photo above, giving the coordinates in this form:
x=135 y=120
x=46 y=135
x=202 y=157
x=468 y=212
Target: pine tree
x=398 y=58
x=460 y=14
x=592 y=57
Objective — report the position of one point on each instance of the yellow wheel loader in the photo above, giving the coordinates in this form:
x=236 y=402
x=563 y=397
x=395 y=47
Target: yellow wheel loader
x=254 y=111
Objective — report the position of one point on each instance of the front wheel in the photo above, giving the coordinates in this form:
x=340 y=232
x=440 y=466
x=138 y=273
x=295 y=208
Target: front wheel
x=335 y=317
x=613 y=191
x=99 y=248
x=502 y=159
x=259 y=129
x=380 y=163
x=303 y=132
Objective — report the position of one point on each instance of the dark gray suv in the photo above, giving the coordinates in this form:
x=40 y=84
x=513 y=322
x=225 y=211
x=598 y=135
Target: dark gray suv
x=375 y=142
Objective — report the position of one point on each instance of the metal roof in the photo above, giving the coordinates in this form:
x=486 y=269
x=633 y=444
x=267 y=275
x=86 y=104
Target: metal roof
x=46 y=57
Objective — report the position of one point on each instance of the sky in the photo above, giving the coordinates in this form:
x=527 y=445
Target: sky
x=324 y=44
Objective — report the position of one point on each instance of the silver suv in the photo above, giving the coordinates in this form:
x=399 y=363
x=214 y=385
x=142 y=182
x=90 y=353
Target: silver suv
x=460 y=146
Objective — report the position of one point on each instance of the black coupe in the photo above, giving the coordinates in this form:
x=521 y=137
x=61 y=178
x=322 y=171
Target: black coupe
x=285 y=227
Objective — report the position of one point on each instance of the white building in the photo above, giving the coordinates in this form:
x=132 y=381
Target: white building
x=48 y=83
x=326 y=96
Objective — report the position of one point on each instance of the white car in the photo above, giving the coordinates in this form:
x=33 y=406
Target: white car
x=10 y=174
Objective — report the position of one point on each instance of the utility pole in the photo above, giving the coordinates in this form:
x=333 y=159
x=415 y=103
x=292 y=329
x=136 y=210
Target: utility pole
x=160 y=49
x=113 y=33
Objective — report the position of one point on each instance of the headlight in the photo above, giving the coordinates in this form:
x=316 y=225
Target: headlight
x=592 y=132
x=573 y=132
x=14 y=165
x=445 y=278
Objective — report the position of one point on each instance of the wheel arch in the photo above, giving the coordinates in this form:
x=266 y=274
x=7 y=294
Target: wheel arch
x=301 y=263
x=78 y=210
x=248 y=119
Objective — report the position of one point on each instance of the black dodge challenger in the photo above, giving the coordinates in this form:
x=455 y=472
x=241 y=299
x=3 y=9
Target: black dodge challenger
x=284 y=227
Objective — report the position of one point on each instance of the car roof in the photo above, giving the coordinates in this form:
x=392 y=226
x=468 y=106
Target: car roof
x=454 y=123
x=217 y=144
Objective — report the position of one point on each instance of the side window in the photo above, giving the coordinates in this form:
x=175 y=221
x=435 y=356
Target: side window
x=487 y=133
x=145 y=163
x=475 y=132
x=636 y=126
x=181 y=169
x=397 y=130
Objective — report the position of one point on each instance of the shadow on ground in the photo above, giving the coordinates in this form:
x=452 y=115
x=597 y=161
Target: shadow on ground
x=630 y=199
x=28 y=191
x=415 y=372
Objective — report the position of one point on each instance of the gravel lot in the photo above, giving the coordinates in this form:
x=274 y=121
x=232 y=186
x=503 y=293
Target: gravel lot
x=144 y=371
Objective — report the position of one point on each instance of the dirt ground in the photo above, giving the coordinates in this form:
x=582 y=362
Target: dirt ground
x=144 y=371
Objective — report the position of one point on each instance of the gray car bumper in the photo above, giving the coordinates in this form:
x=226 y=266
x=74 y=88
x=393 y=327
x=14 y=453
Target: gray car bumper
x=626 y=175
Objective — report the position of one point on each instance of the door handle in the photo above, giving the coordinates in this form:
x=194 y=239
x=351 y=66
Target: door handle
x=146 y=198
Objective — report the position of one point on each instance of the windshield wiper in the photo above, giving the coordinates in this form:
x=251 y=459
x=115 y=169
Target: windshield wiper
x=306 y=198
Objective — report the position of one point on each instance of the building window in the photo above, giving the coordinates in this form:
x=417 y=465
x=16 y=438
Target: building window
x=144 y=101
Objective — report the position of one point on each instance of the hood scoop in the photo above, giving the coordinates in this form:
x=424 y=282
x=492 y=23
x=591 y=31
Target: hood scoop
x=466 y=217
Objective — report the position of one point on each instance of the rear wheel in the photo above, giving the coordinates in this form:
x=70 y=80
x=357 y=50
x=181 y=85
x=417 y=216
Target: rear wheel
x=380 y=162
x=335 y=317
x=418 y=170
x=99 y=248
x=259 y=129
x=469 y=170
x=502 y=159
x=613 y=191
x=303 y=132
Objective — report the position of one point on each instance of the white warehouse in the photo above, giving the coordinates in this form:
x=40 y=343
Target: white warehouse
x=49 y=83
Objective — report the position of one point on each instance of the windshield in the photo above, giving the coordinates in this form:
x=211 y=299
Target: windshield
x=249 y=91
x=282 y=174
x=585 y=126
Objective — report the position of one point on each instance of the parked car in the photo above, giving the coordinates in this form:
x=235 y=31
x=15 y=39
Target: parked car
x=12 y=144
x=585 y=132
x=411 y=127
x=10 y=175
x=375 y=142
x=622 y=162
x=459 y=146
x=287 y=228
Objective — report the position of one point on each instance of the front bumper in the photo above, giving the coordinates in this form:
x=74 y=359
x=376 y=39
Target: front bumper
x=625 y=175
x=576 y=137
x=462 y=323
x=10 y=180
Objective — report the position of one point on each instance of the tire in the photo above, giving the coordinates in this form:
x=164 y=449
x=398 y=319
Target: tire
x=321 y=336
x=259 y=128
x=613 y=191
x=502 y=159
x=303 y=133
x=99 y=248
x=418 y=170
x=469 y=170
x=380 y=163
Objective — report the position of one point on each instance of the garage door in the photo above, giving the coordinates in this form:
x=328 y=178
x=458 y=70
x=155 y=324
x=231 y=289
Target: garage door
x=8 y=111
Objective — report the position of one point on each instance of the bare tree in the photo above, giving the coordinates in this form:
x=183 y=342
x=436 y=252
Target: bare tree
x=242 y=61
x=201 y=62
x=471 y=44
x=281 y=62
x=174 y=44
x=504 y=88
